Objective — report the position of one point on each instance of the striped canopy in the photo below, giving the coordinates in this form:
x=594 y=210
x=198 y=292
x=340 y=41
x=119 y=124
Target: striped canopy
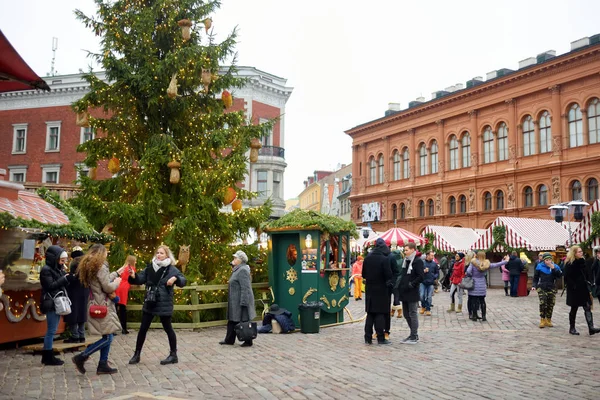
x=531 y=234
x=452 y=238
x=584 y=230
x=398 y=237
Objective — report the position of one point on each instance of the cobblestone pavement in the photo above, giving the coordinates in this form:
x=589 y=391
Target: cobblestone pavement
x=507 y=357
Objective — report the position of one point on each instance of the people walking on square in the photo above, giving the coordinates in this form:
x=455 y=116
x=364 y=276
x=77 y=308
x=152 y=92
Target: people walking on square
x=79 y=295
x=240 y=301
x=447 y=266
x=378 y=280
x=478 y=270
x=578 y=294
x=544 y=282
x=514 y=267
x=430 y=275
x=392 y=288
x=53 y=279
x=159 y=276
x=412 y=276
x=93 y=273
x=458 y=273
x=123 y=290
x=358 y=279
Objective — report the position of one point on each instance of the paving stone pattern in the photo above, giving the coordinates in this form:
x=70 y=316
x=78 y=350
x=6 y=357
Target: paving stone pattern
x=508 y=357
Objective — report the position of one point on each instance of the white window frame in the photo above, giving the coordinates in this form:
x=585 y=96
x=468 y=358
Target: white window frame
x=49 y=168
x=82 y=134
x=81 y=167
x=265 y=193
x=17 y=169
x=266 y=140
x=16 y=128
x=49 y=126
x=434 y=157
x=277 y=178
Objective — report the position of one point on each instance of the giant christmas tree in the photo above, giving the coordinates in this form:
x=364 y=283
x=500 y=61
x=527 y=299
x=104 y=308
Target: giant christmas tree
x=164 y=130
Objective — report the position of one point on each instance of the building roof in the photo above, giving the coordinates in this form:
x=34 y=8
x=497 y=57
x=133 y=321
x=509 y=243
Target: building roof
x=452 y=238
x=29 y=206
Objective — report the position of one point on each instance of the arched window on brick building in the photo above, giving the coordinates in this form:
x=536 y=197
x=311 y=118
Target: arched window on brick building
x=542 y=195
x=372 y=171
x=466 y=150
x=434 y=158
x=576 y=190
x=421 y=208
x=381 y=172
x=592 y=189
x=396 y=158
x=453 y=153
x=489 y=155
x=575 y=126
x=430 y=209
x=528 y=196
x=593 y=116
x=487 y=201
x=499 y=200
x=528 y=136
x=452 y=205
x=462 y=201
x=545 y=132
x=502 y=142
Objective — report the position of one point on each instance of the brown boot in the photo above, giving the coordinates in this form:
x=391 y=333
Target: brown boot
x=451 y=309
x=459 y=309
x=549 y=323
x=543 y=323
x=422 y=310
x=392 y=312
x=399 y=313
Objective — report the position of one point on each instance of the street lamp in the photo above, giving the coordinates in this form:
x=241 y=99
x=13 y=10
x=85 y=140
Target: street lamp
x=574 y=207
x=365 y=231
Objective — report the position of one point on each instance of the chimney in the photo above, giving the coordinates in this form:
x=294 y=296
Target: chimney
x=527 y=62
x=545 y=56
x=10 y=190
x=580 y=43
x=393 y=108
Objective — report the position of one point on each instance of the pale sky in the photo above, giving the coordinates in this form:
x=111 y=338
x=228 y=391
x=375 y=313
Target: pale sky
x=346 y=60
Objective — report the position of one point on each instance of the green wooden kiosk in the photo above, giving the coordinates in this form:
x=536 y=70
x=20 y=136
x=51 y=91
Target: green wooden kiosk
x=309 y=261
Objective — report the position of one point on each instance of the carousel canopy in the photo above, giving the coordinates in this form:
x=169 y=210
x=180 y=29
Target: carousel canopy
x=529 y=233
x=582 y=232
x=452 y=238
x=15 y=74
x=398 y=237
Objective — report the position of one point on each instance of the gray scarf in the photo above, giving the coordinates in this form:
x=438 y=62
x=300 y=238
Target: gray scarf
x=156 y=264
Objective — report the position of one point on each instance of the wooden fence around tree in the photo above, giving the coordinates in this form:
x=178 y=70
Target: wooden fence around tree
x=196 y=306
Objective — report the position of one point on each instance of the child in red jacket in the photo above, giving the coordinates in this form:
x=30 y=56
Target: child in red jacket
x=123 y=291
x=458 y=273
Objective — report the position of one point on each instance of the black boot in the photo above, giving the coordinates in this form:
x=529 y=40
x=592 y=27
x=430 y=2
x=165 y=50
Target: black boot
x=171 y=359
x=483 y=312
x=572 y=329
x=136 y=357
x=79 y=360
x=590 y=322
x=104 y=368
x=49 y=359
x=506 y=291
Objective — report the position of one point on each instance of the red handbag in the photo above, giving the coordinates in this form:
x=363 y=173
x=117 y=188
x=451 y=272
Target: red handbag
x=97 y=311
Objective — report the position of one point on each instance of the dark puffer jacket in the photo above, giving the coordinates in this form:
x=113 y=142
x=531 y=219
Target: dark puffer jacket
x=575 y=281
x=149 y=277
x=52 y=278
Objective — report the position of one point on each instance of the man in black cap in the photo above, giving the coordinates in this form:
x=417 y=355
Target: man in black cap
x=378 y=279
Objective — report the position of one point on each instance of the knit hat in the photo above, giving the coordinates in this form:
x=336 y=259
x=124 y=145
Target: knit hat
x=547 y=256
x=241 y=255
x=461 y=255
x=64 y=255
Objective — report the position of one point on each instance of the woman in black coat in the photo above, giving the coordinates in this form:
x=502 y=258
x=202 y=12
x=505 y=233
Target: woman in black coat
x=53 y=279
x=79 y=297
x=377 y=274
x=578 y=294
x=162 y=275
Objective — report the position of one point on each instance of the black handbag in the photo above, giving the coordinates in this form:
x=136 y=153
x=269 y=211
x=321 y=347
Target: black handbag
x=152 y=292
x=246 y=331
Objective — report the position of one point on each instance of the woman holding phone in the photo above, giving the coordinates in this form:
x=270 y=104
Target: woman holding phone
x=127 y=270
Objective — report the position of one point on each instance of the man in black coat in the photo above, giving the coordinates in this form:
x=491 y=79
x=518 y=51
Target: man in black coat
x=412 y=276
x=378 y=277
x=514 y=266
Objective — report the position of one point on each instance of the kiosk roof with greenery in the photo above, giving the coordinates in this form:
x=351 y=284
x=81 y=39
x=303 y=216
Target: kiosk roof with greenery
x=306 y=219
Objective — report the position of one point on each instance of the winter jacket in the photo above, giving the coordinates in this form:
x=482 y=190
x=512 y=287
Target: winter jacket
x=240 y=299
x=395 y=269
x=398 y=257
x=575 y=281
x=479 y=274
x=505 y=274
x=164 y=303
x=285 y=321
x=432 y=275
x=596 y=273
x=79 y=296
x=52 y=278
x=357 y=268
x=100 y=289
x=412 y=277
x=458 y=271
x=444 y=264
x=123 y=289
x=544 y=278
x=514 y=265
x=378 y=275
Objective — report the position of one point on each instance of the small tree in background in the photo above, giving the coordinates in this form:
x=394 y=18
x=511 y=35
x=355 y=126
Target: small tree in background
x=164 y=130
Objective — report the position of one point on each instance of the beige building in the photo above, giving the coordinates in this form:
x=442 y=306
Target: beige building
x=335 y=192
x=310 y=198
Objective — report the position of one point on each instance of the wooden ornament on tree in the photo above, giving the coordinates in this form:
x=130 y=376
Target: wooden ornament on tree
x=255 y=145
x=236 y=205
x=230 y=195
x=172 y=89
x=114 y=165
x=186 y=28
x=207 y=24
x=184 y=257
x=82 y=120
x=227 y=99
x=93 y=173
x=175 y=175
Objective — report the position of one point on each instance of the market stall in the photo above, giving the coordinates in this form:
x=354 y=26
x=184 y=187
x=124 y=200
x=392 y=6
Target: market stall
x=398 y=237
x=585 y=229
x=21 y=259
x=453 y=239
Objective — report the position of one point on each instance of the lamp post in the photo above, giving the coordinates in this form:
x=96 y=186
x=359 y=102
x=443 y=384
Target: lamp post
x=575 y=207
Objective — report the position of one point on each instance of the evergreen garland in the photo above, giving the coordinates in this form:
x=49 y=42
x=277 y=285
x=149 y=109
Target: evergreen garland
x=306 y=219
x=499 y=239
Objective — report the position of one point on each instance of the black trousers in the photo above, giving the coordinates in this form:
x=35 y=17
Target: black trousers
x=377 y=319
x=122 y=312
x=230 y=335
x=145 y=325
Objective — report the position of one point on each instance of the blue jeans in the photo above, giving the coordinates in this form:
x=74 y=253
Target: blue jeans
x=426 y=293
x=52 y=320
x=103 y=345
x=78 y=330
x=514 y=285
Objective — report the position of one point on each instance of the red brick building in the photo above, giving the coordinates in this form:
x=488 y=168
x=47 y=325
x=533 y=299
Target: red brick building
x=40 y=135
x=511 y=145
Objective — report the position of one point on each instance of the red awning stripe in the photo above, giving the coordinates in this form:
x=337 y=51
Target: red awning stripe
x=399 y=237
x=451 y=238
x=584 y=230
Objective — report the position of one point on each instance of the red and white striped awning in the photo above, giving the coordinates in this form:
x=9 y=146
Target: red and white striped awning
x=452 y=238
x=584 y=230
x=398 y=237
x=531 y=234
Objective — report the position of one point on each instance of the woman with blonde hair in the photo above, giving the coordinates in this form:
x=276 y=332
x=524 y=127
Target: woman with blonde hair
x=578 y=294
x=478 y=269
x=93 y=273
x=159 y=276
